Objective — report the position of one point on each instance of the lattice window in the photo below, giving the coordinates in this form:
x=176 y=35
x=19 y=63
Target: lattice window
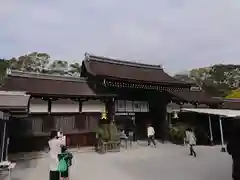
x=92 y=121
x=47 y=124
x=81 y=122
x=37 y=125
x=31 y=125
x=65 y=124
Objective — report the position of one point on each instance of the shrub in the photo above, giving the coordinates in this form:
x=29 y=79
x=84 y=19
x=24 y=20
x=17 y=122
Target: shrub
x=114 y=135
x=108 y=132
x=103 y=132
x=177 y=133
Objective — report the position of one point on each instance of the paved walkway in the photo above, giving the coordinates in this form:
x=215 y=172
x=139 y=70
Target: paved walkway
x=166 y=162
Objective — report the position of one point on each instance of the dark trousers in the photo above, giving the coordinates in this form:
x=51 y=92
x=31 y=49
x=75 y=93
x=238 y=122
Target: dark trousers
x=192 y=151
x=54 y=175
x=151 y=139
x=236 y=169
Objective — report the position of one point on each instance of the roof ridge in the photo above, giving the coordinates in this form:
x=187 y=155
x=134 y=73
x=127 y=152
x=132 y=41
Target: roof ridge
x=121 y=62
x=16 y=73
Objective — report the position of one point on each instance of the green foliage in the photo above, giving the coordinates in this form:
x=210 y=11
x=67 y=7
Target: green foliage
x=177 y=133
x=218 y=80
x=4 y=64
x=103 y=132
x=108 y=132
x=114 y=135
x=234 y=94
x=40 y=62
x=75 y=69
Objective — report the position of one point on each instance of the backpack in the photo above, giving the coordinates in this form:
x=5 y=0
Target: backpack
x=62 y=165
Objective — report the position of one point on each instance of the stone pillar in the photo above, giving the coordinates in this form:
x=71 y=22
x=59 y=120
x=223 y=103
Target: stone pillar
x=158 y=111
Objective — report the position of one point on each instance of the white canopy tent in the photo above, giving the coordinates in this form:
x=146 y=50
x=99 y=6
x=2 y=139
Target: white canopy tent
x=227 y=113
x=219 y=112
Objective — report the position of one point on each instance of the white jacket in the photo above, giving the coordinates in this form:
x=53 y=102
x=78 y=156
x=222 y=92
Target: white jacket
x=55 y=149
x=191 y=138
x=150 y=131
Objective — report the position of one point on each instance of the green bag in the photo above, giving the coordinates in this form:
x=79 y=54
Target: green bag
x=62 y=165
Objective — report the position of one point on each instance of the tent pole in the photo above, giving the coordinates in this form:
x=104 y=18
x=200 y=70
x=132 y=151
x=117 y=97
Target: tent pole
x=222 y=138
x=210 y=129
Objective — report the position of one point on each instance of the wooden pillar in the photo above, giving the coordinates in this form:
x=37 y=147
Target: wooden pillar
x=80 y=102
x=110 y=108
x=49 y=105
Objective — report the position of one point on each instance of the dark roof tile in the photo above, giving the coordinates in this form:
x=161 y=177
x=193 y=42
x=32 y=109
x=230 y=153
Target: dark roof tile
x=13 y=100
x=129 y=71
x=199 y=97
x=41 y=84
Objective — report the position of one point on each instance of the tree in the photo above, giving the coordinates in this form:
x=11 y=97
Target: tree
x=39 y=61
x=4 y=64
x=32 y=62
x=59 y=67
x=75 y=69
x=218 y=80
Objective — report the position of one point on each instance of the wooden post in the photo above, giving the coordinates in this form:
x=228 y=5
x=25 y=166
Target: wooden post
x=110 y=109
x=210 y=129
x=223 y=149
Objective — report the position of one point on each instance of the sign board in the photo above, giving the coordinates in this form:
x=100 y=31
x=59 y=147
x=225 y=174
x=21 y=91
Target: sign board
x=124 y=114
x=131 y=106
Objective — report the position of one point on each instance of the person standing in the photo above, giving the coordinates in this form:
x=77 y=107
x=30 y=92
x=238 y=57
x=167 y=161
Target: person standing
x=65 y=161
x=55 y=145
x=151 y=135
x=191 y=140
x=233 y=148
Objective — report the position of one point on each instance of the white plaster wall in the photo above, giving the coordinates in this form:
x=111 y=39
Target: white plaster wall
x=58 y=108
x=93 y=106
x=38 y=108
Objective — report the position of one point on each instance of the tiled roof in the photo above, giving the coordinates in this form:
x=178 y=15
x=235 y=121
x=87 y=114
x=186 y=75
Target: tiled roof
x=42 y=84
x=199 y=97
x=13 y=100
x=128 y=71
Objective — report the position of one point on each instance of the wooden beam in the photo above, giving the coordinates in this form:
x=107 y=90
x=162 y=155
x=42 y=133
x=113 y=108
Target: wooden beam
x=49 y=105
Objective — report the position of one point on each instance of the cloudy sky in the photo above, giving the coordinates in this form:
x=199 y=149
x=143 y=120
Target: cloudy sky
x=178 y=34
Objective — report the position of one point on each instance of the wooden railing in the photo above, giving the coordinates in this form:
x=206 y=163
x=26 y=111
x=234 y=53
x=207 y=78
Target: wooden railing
x=109 y=146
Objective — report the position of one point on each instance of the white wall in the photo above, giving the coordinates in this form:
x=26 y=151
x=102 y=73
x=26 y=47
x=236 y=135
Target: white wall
x=40 y=106
x=93 y=106
x=67 y=106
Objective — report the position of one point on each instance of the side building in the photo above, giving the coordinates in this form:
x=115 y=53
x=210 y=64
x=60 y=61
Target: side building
x=63 y=103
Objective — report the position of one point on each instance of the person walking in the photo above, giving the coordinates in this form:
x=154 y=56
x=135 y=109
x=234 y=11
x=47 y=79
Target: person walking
x=55 y=143
x=123 y=138
x=191 y=141
x=151 y=135
x=130 y=137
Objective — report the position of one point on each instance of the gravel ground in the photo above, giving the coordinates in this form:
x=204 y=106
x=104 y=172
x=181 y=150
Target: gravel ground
x=166 y=162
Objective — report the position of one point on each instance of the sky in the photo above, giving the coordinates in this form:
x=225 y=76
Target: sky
x=177 y=34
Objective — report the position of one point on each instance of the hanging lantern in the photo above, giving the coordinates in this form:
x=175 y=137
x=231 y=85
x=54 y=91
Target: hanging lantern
x=175 y=115
x=104 y=115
